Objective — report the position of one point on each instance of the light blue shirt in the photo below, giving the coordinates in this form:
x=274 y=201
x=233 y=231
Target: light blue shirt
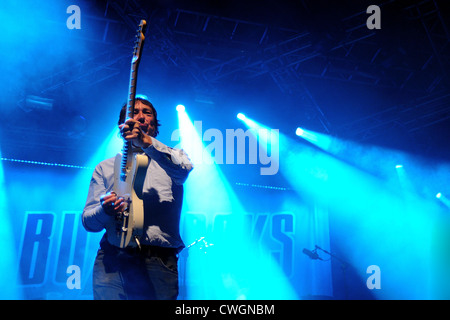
x=168 y=169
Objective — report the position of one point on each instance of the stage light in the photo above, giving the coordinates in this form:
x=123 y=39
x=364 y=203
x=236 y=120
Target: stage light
x=349 y=189
x=262 y=143
x=220 y=205
x=443 y=199
x=180 y=108
x=322 y=141
x=299 y=131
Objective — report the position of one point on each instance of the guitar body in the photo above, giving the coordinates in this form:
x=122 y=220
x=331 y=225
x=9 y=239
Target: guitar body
x=129 y=226
x=130 y=169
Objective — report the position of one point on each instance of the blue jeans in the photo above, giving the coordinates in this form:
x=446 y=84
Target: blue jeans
x=121 y=274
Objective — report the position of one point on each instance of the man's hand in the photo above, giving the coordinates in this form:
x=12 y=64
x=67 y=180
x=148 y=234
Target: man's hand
x=133 y=130
x=112 y=204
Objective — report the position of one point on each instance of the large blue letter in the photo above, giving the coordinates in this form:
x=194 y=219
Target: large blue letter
x=35 y=249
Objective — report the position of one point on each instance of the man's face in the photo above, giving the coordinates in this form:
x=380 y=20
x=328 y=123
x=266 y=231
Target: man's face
x=144 y=114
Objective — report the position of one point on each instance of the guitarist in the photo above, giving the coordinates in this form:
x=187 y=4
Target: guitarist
x=147 y=268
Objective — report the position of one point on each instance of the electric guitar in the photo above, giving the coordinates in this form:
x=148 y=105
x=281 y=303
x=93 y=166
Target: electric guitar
x=129 y=170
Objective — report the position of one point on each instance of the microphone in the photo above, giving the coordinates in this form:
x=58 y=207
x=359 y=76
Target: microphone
x=312 y=254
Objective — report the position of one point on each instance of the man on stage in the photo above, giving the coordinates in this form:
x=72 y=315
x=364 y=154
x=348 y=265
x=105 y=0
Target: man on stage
x=147 y=268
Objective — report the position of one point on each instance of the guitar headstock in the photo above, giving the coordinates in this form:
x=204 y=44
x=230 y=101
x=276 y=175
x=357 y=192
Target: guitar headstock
x=139 y=43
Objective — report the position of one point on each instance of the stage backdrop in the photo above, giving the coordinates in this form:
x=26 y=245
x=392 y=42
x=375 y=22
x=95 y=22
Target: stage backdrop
x=244 y=241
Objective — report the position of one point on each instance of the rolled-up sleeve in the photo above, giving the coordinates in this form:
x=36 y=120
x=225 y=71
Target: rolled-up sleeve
x=175 y=162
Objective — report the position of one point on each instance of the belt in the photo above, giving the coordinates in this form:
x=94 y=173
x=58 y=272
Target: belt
x=154 y=251
x=143 y=250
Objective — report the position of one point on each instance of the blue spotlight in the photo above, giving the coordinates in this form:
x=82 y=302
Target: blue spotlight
x=299 y=132
x=252 y=124
x=226 y=280
x=180 y=108
x=399 y=166
x=442 y=198
x=263 y=138
x=323 y=141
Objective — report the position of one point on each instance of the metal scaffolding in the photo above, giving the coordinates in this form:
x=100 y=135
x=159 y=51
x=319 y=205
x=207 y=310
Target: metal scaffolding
x=212 y=49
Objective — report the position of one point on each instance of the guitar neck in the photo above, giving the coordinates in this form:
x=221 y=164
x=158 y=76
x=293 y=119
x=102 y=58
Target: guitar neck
x=132 y=88
x=127 y=147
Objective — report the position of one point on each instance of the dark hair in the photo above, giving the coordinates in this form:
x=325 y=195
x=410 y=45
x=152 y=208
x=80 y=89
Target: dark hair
x=145 y=101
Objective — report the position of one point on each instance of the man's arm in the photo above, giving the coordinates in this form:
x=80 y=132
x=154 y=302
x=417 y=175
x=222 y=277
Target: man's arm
x=175 y=162
x=94 y=217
